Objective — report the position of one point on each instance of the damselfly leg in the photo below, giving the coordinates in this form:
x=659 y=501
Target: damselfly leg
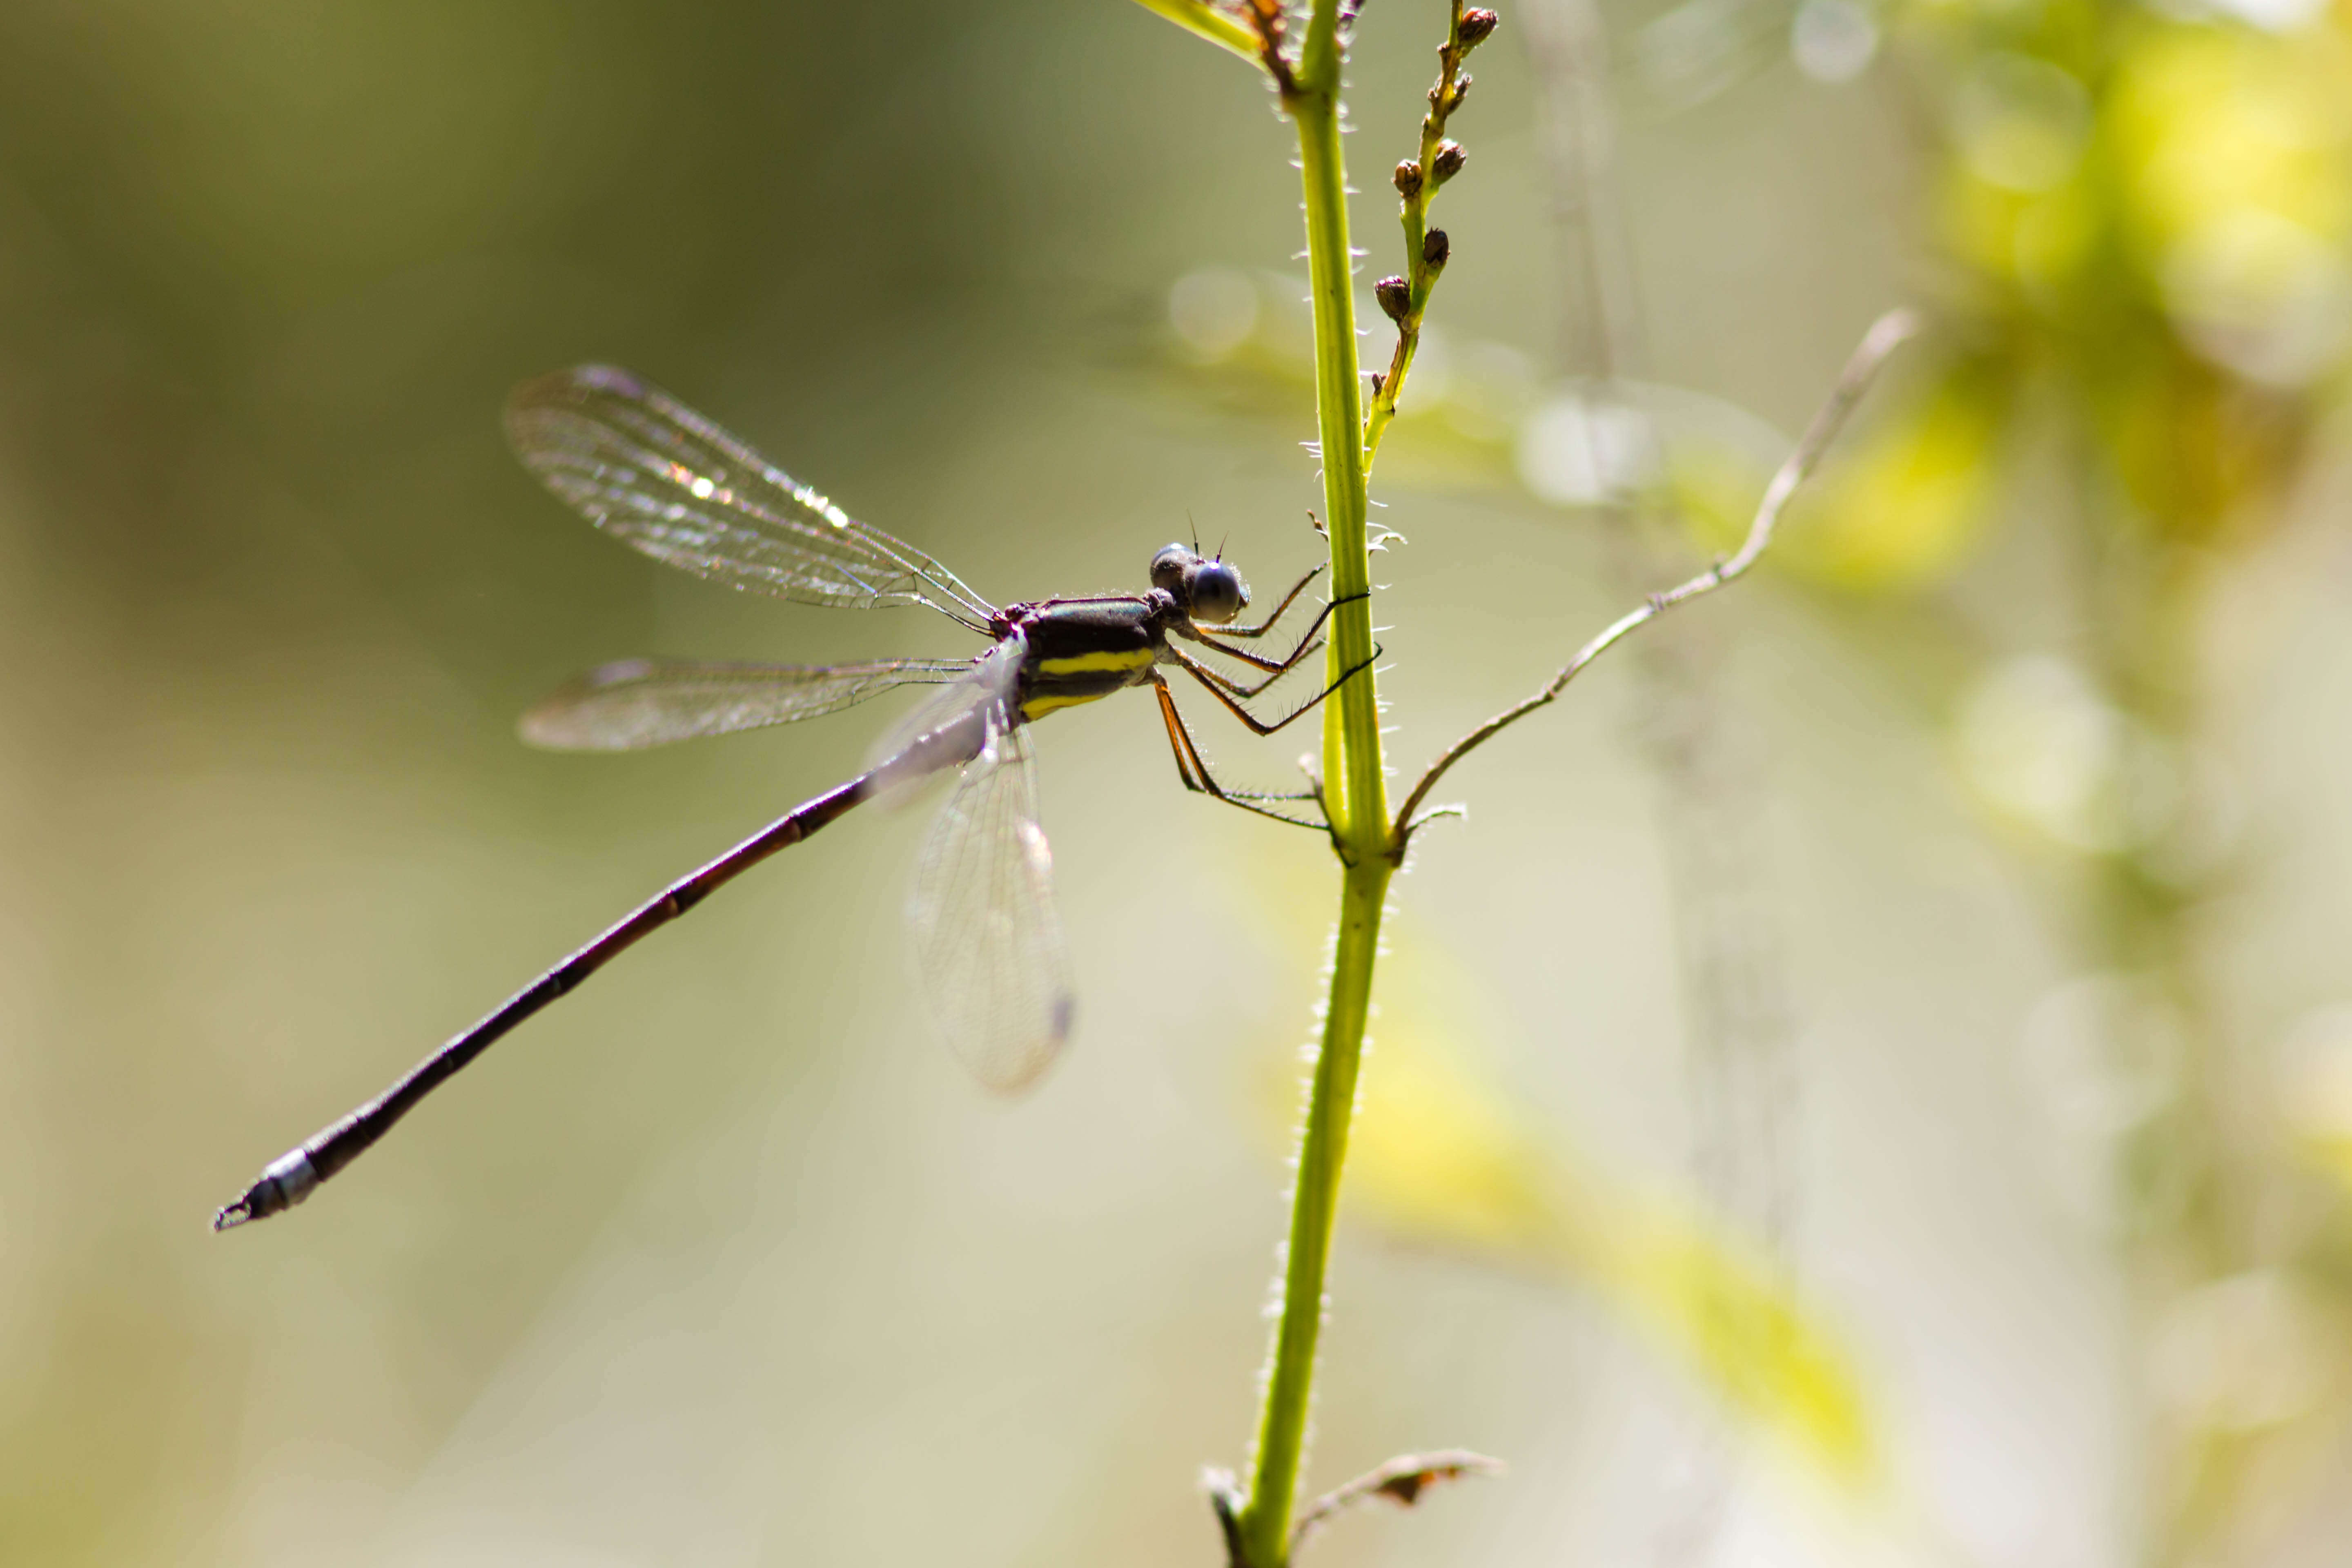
x=1193 y=769
x=1278 y=667
x=1223 y=689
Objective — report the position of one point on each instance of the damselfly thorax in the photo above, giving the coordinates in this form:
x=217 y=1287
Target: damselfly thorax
x=988 y=941
x=1079 y=650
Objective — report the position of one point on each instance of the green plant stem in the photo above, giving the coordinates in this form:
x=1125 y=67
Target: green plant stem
x=1355 y=784
x=1356 y=797
x=1322 y=1151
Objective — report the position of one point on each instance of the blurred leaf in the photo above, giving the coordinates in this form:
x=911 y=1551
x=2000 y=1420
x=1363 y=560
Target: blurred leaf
x=1897 y=512
x=1438 y=1158
x=2192 y=446
x=2207 y=121
x=2331 y=1152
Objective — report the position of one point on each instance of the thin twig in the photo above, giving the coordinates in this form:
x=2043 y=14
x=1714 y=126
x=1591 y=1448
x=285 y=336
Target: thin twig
x=1885 y=336
x=1402 y=1480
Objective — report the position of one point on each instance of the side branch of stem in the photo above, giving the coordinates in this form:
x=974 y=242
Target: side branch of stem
x=1402 y=1480
x=1417 y=183
x=1886 y=334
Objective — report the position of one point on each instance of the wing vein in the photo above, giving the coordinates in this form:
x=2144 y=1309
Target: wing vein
x=669 y=482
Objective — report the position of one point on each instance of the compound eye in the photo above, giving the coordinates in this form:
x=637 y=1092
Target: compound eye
x=1168 y=568
x=1218 y=594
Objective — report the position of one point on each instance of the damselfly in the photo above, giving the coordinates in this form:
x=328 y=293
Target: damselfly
x=988 y=944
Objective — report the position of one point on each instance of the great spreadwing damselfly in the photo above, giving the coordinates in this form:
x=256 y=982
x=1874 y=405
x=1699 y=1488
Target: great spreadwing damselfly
x=988 y=944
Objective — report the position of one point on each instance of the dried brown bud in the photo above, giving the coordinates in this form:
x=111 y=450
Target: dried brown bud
x=1395 y=297
x=1434 y=250
x=1408 y=179
x=1448 y=161
x=1477 y=26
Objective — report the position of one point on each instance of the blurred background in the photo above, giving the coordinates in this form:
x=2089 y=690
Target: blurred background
x=1869 y=1082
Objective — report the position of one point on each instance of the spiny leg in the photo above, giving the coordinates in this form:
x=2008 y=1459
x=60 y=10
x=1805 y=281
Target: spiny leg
x=1207 y=676
x=1277 y=667
x=1266 y=625
x=1193 y=769
x=1238 y=689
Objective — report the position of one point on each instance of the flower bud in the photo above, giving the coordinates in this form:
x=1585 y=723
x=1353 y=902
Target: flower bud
x=1448 y=161
x=1434 y=250
x=1395 y=297
x=1408 y=179
x=1477 y=26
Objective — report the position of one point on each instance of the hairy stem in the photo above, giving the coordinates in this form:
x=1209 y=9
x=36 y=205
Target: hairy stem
x=1356 y=796
x=1354 y=780
x=1322 y=1151
x=1356 y=785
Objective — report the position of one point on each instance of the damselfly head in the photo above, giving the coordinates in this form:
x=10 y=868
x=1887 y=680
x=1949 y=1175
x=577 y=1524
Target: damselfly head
x=1211 y=592
x=1168 y=568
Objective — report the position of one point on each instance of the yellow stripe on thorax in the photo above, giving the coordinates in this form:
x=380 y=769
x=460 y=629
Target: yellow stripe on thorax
x=1096 y=663
x=1037 y=707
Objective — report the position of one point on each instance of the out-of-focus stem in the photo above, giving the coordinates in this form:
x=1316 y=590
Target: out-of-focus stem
x=1207 y=22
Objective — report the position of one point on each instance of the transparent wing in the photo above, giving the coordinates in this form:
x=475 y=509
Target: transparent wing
x=948 y=727
x=988 y=942
x=645 y=703
x=649 y=470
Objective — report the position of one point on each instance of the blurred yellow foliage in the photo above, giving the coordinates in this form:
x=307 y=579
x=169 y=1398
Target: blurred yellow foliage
x=2206 y=121
x=2332 y=1154
x=1438 y=1159
x=2178 y=284
x=2190 y=443
x=1901 y=508
x=1898 y=510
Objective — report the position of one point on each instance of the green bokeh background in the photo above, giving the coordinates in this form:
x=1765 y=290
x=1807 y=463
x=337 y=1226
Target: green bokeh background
x=723 y=1262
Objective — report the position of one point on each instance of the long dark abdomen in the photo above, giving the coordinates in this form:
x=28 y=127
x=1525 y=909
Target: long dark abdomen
x=294 y=1176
